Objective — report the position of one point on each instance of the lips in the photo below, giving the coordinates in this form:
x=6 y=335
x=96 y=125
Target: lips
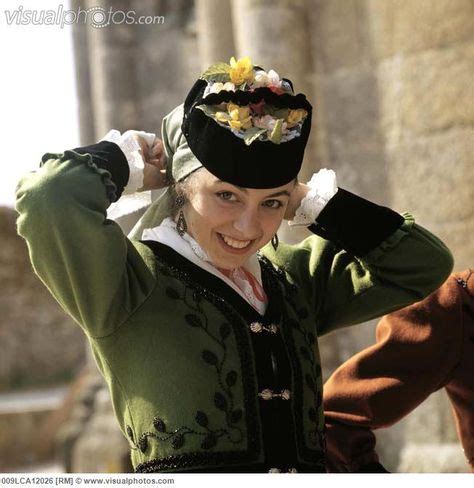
x=234 y=245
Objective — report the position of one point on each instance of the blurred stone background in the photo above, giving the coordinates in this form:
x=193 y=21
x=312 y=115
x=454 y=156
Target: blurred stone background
x=391 y=85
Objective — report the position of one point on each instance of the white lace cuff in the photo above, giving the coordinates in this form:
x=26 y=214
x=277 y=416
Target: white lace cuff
x=131 y=149
x=323 y=186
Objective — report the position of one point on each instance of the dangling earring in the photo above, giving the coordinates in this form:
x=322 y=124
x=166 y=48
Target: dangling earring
x=275 y=241
x=181 y=225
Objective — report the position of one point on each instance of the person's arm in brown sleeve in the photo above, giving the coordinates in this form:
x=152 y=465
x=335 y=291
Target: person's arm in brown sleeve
x=460 y=387
x=417 y=351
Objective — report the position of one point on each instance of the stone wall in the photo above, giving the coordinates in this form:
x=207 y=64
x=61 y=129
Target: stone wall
x=394 y=82
x=40 y=344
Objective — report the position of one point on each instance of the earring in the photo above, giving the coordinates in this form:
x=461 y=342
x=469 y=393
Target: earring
x=275 y=241
x=181 y=225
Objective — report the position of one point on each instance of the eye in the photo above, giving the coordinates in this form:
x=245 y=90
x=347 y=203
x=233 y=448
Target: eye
x=225 y=195
x=273 y=204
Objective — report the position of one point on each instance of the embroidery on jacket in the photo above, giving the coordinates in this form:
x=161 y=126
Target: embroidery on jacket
x=223 y=398
x=313 y=378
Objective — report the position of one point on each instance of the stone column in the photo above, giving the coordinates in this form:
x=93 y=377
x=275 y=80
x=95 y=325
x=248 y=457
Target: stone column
x=83 y=79
x=424 y=54
x=113 y=72
x=215 y=31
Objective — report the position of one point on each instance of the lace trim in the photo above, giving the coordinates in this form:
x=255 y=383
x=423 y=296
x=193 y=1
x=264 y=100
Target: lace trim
x=323 y=186
x=132 y=152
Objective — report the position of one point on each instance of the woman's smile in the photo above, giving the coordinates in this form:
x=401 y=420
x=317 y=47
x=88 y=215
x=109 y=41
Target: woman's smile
x=234 y=246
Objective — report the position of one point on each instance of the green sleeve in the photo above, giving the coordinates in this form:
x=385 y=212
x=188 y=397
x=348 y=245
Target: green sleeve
x=343 y=289
x=96 y=274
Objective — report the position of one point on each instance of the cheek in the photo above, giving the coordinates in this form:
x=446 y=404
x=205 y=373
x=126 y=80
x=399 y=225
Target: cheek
x=270 y=226
x=208 y=214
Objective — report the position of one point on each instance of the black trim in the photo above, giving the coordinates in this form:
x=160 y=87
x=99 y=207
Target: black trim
x=354 y=223
x=108 y=155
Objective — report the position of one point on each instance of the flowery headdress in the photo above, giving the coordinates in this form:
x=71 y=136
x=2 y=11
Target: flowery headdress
x=245 y=125
x=255 y=121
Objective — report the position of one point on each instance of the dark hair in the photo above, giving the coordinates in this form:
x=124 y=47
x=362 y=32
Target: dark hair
x=184 y=188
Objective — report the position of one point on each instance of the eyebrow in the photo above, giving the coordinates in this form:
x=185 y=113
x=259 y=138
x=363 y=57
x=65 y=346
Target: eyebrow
x=277 y=194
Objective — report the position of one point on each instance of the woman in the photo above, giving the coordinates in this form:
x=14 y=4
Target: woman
x=203 y=325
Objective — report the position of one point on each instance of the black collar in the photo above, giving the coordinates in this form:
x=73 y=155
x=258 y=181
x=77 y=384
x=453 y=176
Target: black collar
x=186 y=270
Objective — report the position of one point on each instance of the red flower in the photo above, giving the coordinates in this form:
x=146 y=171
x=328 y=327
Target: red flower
x=257 y=107
x=276 y=89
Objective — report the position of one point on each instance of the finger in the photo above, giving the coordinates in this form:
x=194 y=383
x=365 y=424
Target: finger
x=159 y=163
x=157 y=143
x=157 y=149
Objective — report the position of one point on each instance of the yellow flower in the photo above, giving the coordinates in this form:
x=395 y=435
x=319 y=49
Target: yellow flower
x=295 y=116
x=222 y=116
x=235 y=124
x=240 y=116
x=241 y=70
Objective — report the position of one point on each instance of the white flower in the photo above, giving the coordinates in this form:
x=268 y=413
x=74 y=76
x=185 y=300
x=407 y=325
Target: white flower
x=262 y=78
x=274 y=78
x=218 y=86
x=265 y=122
x=268 y=122
x=229 y=86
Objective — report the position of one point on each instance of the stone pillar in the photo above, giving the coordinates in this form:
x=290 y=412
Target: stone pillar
x=215 y=31
x=113 y=72
x=424 y=54
x=83 y=79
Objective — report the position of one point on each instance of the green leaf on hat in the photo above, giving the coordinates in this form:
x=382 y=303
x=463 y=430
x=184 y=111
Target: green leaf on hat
x=281 y=113
x=211 y=110
x=252 y=134
x=275 y=136
x=217 y=72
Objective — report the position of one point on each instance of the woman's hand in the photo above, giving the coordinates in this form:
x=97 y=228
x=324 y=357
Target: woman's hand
x=299 y=192
x=154 y=171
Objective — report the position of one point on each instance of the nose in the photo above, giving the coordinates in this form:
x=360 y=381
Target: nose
x=248 y=224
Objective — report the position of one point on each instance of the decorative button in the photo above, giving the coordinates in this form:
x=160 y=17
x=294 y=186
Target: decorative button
x=273 y=329
x=258 y=328
x=285 y=394
x=268 y=394
x=278 y=470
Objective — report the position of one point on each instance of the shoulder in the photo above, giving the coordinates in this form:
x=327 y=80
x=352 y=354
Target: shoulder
x=308 y=254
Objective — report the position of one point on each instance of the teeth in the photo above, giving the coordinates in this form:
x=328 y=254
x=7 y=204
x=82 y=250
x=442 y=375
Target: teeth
x=234 y=243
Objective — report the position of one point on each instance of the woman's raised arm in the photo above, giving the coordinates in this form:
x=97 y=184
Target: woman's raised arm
x=96 y=274
x=364 y=261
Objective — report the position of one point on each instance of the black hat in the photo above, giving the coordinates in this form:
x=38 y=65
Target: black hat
x=246 y=126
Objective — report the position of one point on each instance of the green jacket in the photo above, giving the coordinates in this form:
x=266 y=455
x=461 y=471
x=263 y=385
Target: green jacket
x=173 y=342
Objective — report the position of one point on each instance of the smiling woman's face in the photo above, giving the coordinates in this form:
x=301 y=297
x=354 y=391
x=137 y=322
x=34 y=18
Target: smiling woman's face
x=229 y=222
